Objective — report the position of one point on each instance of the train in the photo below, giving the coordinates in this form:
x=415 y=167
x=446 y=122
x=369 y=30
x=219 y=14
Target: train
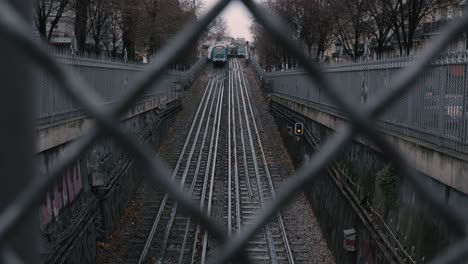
x=242 y=51
x=218 y=54
x=236 y=50
x=232 y=50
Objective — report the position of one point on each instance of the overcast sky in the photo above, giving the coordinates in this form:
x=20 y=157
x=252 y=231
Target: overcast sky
x=237 y=17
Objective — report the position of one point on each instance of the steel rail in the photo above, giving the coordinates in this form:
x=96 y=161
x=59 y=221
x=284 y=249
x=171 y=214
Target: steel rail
x=267 y=172
x=291 y=187
x=330 y=150
x=192 y=187
x=14 y=28
x=213 y=170
x=183 y=180
x=362 y=118
x=236 y=166
x=32 y=193
x=229 y=195
x=14 y=213
x=204 y=102
x=206 y=176
x=270 y=242
x=246 y=171
x=184 y=241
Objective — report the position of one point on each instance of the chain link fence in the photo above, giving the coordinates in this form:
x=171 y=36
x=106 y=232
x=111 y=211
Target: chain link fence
x=21 y=191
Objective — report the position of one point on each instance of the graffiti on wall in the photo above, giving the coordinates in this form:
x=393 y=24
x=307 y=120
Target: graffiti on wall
x=63 y=192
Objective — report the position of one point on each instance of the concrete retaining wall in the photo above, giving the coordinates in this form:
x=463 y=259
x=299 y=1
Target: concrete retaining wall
x=443 y=165
x=86 y=204
x=339 y=205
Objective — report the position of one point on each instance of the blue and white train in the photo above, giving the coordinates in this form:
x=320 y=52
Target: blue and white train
x=242 y=51
x=218 y=54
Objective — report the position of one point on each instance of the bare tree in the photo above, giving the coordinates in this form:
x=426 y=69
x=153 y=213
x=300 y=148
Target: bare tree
x=406 y=16
x=81 y=22
x=288 y=10
x=218 y=28
x=137 y=27
x=115 y=27
x=315 y=26
x=350 y=18
x=264 y=48
x=99 y=12
x=311 y=22
x=49 y=11
x=192 y=6
x=148 y=33
x=379 y=23
x=130 y=9
x=157 y=21
x=270 y=53
x=171 y=19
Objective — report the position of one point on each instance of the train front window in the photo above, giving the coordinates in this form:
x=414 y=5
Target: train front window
x=219 y=52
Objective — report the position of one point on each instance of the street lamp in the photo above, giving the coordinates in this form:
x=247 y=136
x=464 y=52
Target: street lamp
x=338 y=49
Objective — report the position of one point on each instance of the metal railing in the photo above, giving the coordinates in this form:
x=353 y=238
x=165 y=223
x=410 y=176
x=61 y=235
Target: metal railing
x=110 y=79
x=434 y=110
x=21 y=191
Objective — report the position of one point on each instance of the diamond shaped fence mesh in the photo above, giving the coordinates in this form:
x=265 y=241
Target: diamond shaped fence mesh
x=18 y=204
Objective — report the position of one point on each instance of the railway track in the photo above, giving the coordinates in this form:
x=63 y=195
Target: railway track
x=172 y=237
x=223 y=167
x=250 y=183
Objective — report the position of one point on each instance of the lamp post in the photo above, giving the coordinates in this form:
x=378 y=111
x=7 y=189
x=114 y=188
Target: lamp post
x=338 y=49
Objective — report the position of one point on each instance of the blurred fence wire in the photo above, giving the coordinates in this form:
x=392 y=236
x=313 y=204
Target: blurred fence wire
x=21 y=191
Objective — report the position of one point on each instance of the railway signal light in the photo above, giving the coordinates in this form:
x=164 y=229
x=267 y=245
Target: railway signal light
x=299 y=129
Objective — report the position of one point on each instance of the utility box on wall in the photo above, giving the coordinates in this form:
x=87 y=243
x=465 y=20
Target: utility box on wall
x=350 y=239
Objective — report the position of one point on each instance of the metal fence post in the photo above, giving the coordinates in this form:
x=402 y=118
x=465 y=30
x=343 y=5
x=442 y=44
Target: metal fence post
x=464 y=123
x=442 y=107
x=17 y=140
